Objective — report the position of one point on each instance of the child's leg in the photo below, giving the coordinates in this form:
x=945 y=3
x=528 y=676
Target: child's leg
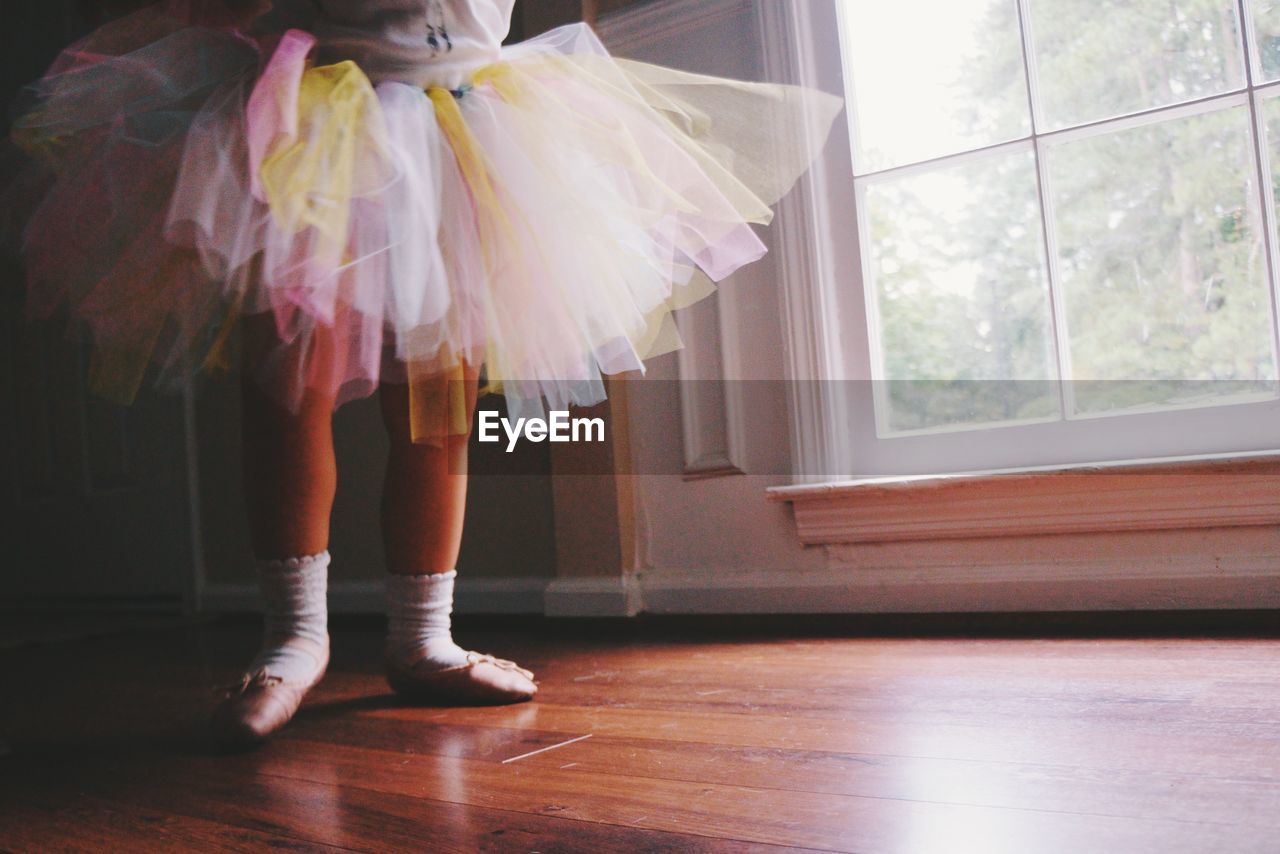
x=290 y=478
x=290 y=475
x=424 y=495
x=423 y=506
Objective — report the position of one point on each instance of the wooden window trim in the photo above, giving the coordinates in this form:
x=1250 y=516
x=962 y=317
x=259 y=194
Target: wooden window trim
x=1137 y=496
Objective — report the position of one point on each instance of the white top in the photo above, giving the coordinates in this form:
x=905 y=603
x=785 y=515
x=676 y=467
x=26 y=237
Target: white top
x=422 y=42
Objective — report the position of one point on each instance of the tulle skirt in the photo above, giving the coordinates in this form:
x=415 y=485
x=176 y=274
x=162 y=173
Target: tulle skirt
x=542 y=220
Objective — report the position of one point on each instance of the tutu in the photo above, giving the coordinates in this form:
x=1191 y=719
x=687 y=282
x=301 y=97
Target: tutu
x=401 y=193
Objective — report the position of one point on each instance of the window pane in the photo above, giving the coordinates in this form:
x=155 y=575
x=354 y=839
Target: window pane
x=1270 y=108
x=1098 y=59
x=933 y=82
x=1266 y=28
x=957 y=269
x=1163 y=269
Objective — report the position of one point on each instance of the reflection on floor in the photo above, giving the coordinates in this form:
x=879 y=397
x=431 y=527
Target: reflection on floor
x=657 y=740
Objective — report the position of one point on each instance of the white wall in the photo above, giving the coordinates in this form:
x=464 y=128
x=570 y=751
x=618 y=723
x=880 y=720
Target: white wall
x=717 y=526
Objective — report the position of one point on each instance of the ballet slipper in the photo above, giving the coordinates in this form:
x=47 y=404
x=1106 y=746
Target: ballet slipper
x=260 y=704
x=483 y=681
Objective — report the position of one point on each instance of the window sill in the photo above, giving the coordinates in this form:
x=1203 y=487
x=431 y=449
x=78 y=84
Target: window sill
x=1218 y=492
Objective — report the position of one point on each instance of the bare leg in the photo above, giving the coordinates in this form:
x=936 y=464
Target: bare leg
x=424 y=496
x=290 y=475
x=423 y=504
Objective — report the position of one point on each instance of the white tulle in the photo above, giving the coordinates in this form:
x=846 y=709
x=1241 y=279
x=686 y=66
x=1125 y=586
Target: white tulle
x=543 y=219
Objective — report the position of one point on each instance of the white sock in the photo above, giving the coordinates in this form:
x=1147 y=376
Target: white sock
x=418 y=608
x=295 y=606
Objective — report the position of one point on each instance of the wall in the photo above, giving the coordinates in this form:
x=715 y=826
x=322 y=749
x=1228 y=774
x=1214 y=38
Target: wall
x=719 y=527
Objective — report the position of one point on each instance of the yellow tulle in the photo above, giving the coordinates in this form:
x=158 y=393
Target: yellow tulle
x=339 y=152
x=439 y=405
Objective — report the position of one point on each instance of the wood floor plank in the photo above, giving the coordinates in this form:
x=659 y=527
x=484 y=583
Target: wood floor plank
x=93 y=823
x=1059 y=788
x=1071 y=743
x=1191 y=710
x=821 y=821
x=228 y=793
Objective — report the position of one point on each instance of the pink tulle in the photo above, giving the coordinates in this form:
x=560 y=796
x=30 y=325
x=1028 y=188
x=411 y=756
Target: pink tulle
x=272 y=111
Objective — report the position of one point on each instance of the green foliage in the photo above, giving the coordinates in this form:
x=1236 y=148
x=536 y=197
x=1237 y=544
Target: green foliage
x=1163 y=280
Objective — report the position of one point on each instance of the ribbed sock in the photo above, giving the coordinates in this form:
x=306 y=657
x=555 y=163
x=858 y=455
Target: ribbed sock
x=418 y=624
x=295 y=607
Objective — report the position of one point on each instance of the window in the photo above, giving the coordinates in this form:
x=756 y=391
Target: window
x=1066 y=231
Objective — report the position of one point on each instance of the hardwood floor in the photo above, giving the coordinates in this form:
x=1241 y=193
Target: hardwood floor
x=660 y=741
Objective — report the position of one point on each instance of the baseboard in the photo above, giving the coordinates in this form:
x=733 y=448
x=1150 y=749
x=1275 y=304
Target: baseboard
x=829 y=593
x=471 y=596
x=567 y=597
x=593 y=597
x=91 y=605
x=1213 y=569
x=835 y=591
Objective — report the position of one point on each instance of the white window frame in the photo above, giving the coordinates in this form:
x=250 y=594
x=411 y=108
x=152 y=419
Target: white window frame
x=826 y=306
